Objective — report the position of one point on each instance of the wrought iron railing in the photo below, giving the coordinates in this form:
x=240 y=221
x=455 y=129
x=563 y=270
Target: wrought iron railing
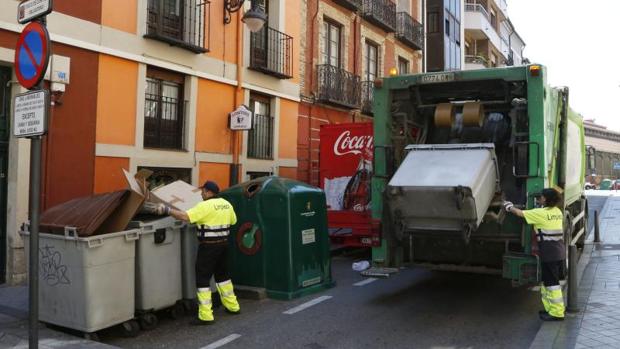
x=338 y=86
x=183 y=23
x=366 y=88
x=271 y=52
x=381 y=13
x=260 y=138
x=409 y=31
x=352 y=5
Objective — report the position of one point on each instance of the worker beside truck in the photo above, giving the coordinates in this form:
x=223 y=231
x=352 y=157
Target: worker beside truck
x=547 y=222
x=213 y=217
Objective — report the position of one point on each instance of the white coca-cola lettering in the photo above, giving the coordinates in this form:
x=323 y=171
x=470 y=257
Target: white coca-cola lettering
x=347 y=144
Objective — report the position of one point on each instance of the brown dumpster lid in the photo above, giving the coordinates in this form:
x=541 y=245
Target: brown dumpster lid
x=86 y=214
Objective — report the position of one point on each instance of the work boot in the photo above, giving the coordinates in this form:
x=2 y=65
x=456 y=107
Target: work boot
x=547 y=317
x=227 y=295
x=205 y=312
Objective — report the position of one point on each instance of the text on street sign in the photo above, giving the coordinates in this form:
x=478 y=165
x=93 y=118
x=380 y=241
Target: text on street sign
x=31 y=9
x=31 y=110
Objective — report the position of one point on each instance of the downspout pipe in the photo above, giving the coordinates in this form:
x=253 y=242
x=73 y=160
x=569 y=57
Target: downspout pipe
x=236 y=136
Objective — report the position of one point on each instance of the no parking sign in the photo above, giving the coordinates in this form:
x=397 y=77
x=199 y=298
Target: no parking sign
x=32 y=54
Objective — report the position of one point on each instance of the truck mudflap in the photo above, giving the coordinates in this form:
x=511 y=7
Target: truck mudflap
x=521 y=268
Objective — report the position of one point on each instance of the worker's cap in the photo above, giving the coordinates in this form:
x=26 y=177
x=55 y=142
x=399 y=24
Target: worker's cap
x=211 y=186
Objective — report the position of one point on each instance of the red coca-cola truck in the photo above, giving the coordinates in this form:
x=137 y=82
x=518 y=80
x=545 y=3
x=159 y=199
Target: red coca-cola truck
x=345 y=171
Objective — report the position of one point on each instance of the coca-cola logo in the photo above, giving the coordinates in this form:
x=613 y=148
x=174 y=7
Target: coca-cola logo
x=347 y=144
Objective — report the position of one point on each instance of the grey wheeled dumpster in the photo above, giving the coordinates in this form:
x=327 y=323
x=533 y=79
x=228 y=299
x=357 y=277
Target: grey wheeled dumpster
x=158 y=268
x=86 y=283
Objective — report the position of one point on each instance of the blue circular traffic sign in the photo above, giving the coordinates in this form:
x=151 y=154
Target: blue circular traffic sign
x=32 y=54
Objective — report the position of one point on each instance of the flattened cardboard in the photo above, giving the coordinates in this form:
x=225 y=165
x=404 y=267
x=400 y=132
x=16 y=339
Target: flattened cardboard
x=179 y=195
x=120 y=218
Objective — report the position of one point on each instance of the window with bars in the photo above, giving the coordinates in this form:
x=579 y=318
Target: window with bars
x=182 y=23
x=163 y=111
x=260 y=137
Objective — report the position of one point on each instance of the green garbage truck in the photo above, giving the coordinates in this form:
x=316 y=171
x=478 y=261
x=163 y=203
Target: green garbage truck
x=450 y=147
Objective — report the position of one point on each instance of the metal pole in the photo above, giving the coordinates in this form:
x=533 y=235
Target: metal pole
x=572 y=280
x=35 y=190
x=35 y=196
x=597 y=231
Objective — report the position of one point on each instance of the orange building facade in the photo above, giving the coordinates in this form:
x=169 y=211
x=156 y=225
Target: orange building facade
x=150 y=84
x=347 y=45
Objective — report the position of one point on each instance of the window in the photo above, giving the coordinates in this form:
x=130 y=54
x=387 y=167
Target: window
x=165 y=175
x=403 y=66
x=433 y=22
x=179 y=23
x=255 y=175
x=493 y=19
x=447 y=27
x=260 y=137
x=163 y=110
x=372 y=62
x=331 y=44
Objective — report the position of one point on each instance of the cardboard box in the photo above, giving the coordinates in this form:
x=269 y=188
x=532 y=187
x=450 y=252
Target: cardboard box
x=179 y=195
x=123 y=214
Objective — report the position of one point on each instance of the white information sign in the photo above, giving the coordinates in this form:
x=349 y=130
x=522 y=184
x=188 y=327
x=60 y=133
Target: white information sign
x=308 y=236
x=241 y=119
x=30 y=9
x=30 y=111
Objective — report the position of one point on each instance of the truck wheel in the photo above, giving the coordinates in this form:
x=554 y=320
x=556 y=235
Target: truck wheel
x=148 y=321
x=130 y=328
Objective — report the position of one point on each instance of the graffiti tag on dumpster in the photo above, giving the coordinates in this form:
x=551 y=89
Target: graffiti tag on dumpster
x=53 y=272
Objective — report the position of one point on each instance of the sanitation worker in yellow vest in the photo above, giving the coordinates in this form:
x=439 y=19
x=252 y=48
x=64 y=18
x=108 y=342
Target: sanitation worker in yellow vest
x=547 y=222
x=213 y=217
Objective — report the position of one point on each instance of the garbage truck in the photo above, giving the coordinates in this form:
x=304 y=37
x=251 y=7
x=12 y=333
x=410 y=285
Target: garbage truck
x=450 y=147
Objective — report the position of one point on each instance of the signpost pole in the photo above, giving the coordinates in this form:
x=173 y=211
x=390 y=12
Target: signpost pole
x=35 y=192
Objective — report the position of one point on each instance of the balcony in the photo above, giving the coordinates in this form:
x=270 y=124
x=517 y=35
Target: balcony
x=381 y=13
x=338 y=87
x=352 y=5
x=271 y=52
x=478 y=24
x=366 y=88
x=409 y=31
x=179 y=23
x=476 y=62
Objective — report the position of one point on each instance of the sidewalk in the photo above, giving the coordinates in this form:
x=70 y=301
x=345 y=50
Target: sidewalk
x=597 y=325
x=14 y=325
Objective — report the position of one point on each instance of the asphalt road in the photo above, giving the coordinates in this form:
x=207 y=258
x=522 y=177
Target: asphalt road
x=414 y=309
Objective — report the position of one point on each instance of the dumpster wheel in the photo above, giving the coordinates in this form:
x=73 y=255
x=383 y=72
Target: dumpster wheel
x=130 y=328
x=249 y=238
x=177 y=311
x=148 y=321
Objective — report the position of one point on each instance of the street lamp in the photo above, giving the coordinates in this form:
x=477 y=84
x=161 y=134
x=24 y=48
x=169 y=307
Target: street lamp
x=255 y=18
